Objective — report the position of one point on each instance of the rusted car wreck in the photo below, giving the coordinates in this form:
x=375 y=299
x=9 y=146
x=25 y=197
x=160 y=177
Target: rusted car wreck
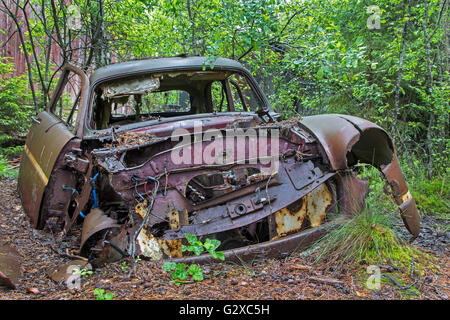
x=114 y=162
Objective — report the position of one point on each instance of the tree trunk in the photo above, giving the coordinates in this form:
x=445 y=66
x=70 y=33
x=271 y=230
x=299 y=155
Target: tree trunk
x=400 y=71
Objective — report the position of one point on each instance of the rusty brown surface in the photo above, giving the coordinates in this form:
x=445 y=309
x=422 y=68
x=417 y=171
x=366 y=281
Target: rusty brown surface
x=347 y=138
x=38 y=159
x=96 y=221
x=65 y=271
x=402 y=196
x=313 y=206
x=352 y=192
x=10 y=266
x=336 y=136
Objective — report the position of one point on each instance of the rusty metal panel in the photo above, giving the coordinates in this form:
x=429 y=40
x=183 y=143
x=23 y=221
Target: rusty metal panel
x=317 y=203
x=10 y=266
x=352 y=192
x=42 y=147
x=335 y=134
x=410 y=216
x=314 y=206
x=95 y=221
x=402 y=196
x=289 y=219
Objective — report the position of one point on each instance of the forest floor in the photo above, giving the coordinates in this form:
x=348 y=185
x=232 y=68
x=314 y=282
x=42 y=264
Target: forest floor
x=295 y=277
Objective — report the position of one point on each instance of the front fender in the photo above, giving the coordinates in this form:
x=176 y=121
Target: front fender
x=347 y=140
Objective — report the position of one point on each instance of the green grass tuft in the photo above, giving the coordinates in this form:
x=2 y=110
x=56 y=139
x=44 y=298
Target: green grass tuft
x=368 y=238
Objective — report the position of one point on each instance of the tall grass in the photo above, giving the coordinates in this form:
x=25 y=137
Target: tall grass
x=366 y=238
x=369 y=237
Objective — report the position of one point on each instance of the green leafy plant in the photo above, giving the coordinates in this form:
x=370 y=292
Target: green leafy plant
x=100 y=294
x=124 y=266
x=180 y=274
x=179 y=271
x=198 y=247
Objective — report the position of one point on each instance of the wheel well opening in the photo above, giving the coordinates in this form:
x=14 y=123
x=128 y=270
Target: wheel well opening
x=373 y=147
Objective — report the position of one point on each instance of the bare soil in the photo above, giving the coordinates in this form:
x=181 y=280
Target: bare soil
x=295 y=277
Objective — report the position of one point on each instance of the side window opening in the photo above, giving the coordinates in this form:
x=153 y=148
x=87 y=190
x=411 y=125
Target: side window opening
x=218 y=97
x=243 y=95
x=238 y=99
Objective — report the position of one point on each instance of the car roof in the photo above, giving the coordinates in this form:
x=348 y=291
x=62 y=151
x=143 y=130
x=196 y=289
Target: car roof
x=162 y=64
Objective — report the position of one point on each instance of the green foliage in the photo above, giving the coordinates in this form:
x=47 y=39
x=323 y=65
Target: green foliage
x=198 y=247
x=368 y=238
x=124 y=266
x=180 y=274
x=432 y=196
x=100 y=294
x=15 y=113
x=11 y=152
x=6 y=170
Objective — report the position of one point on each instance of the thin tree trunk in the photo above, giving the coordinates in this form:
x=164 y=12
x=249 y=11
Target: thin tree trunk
x=400 y=71
x=25 y=52
x=431 y=120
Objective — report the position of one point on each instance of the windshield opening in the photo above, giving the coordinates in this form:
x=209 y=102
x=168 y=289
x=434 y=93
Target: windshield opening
x=170 y=94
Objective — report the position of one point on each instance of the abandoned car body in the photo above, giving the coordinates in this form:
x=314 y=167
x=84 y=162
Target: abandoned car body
x=151 y=150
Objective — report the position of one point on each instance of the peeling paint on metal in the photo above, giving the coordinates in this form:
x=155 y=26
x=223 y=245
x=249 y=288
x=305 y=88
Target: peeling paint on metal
x=313 y=206
x=406 y=197
x=317 y=203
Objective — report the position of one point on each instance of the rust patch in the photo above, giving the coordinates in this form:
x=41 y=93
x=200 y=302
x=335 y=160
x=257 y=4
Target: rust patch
x=290 y=220
x=314 y=206
x=317 y=203
x=172 y=248
x=148 y=244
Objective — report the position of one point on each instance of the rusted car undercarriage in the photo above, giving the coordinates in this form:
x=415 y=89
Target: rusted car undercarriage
x=132 y=198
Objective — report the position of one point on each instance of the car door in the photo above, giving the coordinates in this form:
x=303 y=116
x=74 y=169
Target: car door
x=49 y=133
